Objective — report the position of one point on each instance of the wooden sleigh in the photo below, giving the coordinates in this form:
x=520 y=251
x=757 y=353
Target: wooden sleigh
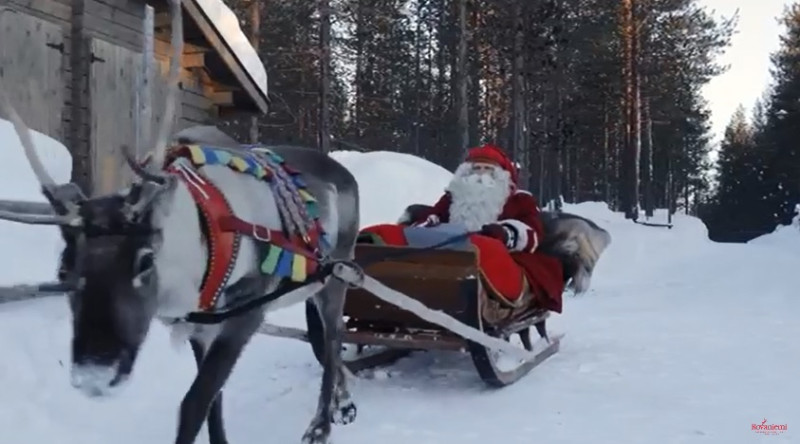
x=446 y=280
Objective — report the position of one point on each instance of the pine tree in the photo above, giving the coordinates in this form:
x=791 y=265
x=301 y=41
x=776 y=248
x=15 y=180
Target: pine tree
x=781 y=156
x=544 y=80
x=738 y=211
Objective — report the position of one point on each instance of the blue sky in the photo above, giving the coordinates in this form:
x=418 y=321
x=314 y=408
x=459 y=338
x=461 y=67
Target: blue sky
x=748 y=56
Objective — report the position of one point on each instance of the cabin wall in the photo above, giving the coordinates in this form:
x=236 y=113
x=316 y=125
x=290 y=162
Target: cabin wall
x=197 y=107
x=53 y=48
x=73 y=69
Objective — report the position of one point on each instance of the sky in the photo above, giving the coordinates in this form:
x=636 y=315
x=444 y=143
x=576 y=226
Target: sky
x=757 y=36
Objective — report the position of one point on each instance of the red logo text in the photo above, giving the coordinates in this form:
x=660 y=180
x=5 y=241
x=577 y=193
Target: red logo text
x=768 y=429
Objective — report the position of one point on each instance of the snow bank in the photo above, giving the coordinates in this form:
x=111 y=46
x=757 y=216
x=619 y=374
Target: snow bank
x=34 y=249
x=783 y=235
x=388 y=182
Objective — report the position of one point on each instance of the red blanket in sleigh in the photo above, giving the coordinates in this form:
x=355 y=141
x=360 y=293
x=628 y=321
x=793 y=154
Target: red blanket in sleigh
x=501 y=273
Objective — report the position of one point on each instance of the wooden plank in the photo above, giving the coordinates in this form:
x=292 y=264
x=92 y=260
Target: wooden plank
x=195 y=115
x=99 y=27
x=194 y=60
x=189 y=78
x=60 y=10
x=34 y=71
x=163 y=47
x=213 y=37
x=195 y=100
x=163 y=19
x=122 y=15
x=112 y=84
x=222 y=98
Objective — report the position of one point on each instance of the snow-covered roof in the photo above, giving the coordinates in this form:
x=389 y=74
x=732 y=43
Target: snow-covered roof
x=225 y=24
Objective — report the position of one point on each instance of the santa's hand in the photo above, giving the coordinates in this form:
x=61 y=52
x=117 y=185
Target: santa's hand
x=496 y=231
x=430 y=221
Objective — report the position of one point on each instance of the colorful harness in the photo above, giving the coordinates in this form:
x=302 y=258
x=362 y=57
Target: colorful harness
x=293 y=253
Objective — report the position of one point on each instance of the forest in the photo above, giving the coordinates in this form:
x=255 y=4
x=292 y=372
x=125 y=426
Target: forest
x=758 y=170
x=595 y=99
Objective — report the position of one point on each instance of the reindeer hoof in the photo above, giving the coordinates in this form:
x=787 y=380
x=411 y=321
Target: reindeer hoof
x=317 y=434
x=345 y=413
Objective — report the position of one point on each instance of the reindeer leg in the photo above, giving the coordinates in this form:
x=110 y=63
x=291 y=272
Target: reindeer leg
x=214 y=371
x=343 y=408
x=335 y=404
x=216 y=427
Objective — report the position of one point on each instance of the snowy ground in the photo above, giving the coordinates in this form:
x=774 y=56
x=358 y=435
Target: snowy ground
x=680 y=340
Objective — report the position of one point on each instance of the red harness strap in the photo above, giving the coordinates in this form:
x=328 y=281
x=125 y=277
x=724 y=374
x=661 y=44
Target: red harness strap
x=224 y=236
x=234 y=224
x=223 y=245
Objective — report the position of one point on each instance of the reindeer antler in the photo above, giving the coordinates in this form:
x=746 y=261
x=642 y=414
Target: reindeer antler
x=170 y=104
x=66 y=208
x=167 y=121
x=155 y=181
x=24 y=134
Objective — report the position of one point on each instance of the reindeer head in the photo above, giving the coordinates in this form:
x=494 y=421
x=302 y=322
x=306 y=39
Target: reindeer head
x=107 y=264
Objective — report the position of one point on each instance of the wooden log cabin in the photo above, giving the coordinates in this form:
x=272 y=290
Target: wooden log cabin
x=92 y=74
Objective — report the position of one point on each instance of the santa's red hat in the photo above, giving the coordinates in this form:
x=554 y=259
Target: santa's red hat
x=493 y=154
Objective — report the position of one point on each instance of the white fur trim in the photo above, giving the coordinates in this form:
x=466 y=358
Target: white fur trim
x=431 y=221
x=522 y=234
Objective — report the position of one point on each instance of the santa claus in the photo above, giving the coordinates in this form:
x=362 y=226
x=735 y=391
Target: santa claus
x=484 y=197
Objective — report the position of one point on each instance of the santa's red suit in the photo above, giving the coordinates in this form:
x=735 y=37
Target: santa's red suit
x=483 y=196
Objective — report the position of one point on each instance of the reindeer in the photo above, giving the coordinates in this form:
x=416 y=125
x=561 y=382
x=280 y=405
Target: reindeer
x=140 y=253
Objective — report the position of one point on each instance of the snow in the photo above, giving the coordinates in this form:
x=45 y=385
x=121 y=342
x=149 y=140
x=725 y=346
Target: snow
x=390 y=181
x=679 y=340
x=35 y=248
x=226 y=22
x=787 y=236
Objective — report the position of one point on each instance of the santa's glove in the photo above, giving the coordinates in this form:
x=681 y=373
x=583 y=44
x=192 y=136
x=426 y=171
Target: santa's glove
x=430 y=221
x=497 y=231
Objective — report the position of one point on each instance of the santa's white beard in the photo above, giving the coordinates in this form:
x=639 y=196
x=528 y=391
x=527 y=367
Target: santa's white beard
x=476 y=199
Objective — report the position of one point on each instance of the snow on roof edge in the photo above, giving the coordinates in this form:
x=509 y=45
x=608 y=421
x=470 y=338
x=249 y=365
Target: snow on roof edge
x=223 y=19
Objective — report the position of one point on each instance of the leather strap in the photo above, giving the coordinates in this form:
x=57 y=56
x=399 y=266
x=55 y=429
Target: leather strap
x=234 y=224
x=222 y=245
